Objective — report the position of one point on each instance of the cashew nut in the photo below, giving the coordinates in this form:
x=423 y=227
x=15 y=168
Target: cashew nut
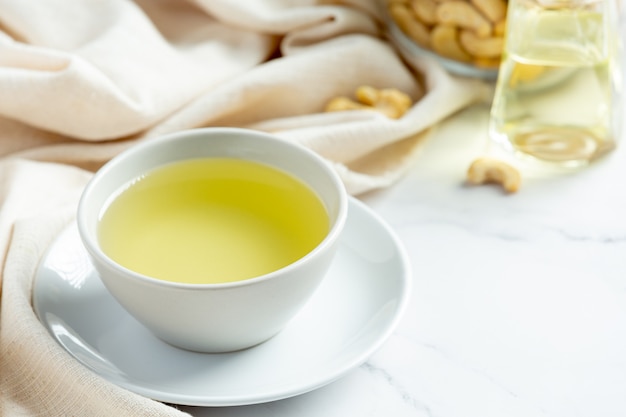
x=489 y=47
x=344 y=103
x=499 y=28
x=483 y=62
x=425 y=10
x=389 y=101
x=445 y=42
x=494 y=10
x=464 y=15
x=488 y=170
x=409 y=24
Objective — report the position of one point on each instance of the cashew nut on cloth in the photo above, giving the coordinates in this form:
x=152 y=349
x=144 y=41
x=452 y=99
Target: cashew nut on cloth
x=391 y=102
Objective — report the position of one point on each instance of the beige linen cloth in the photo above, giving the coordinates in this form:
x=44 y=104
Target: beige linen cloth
x=81 y=80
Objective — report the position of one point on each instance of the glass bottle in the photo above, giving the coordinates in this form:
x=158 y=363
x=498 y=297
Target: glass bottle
x=557 y=95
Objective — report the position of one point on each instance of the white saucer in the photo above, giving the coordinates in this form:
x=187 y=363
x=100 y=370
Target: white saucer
x=350 y=316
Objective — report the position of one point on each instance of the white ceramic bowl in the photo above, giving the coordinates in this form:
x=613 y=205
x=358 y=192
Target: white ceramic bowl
x=214 y=317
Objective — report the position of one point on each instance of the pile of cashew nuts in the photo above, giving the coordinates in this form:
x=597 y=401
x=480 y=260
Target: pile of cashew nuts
x=469 y=31
x=390 y=102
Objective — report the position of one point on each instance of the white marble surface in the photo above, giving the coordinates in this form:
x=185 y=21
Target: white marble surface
x=518 y=304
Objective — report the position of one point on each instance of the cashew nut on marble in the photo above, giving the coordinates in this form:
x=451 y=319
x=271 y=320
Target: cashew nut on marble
x=391 y=102
x=488 y=170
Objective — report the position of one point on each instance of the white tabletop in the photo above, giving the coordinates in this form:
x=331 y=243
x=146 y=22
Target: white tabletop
x=518 y=304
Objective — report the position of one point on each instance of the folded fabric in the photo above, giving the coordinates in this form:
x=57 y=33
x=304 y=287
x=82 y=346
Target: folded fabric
x=37 y=377
x=81 y=81
x=109 y=73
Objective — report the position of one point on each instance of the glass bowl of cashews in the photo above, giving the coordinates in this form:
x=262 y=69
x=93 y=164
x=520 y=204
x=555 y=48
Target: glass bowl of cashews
x=466 y=36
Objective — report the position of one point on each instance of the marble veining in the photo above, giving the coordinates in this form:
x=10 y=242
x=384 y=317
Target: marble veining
x=401 y=392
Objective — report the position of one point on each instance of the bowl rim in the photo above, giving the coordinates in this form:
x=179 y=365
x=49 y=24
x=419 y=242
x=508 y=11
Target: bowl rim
x=92 y=245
